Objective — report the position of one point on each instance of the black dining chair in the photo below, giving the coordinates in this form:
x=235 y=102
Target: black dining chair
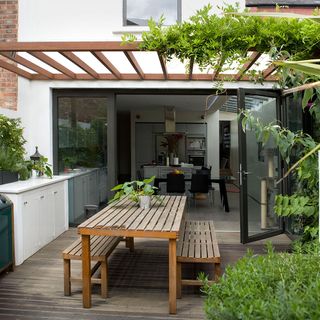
x=175 y=183
x=207 y=171
x=200 y=184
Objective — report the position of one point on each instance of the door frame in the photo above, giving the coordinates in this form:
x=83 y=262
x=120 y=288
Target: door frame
x=244 y=229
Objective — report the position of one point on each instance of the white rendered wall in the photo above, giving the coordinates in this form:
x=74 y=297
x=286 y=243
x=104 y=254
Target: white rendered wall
x=80 y=20
x=94 y=20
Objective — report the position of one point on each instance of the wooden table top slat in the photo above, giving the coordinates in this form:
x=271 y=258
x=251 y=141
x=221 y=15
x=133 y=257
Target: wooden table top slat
x=155 y=218
x=163 y=219
x=165 y=214
x=172 y=216
x=148 y=217
x=95 y=219
x=123 y=217
x=180 y=213
x=113 y=216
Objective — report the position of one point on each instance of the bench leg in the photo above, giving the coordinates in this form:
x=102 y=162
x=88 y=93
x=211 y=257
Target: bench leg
x=104 y=279
x=130 y=243
x=217 y=271
x=178 y=280
x=67 y=282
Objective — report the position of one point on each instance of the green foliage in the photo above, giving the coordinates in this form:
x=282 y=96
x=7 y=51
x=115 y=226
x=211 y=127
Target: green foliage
x=12 y=146
x=11 y=136
x=134 y=189
x=273 y=286
x=303 y=203
x=213 y=40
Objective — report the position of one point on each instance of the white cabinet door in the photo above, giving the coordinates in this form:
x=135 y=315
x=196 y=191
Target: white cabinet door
x=30 y=222
x=59 y=210
x=46 y=217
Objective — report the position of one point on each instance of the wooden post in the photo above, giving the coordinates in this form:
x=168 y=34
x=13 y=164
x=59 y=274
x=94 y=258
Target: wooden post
x=264 y=203
x=104 y=279
x=179 y=280
x=172 y=276
x=67 y=283
x=86 y=271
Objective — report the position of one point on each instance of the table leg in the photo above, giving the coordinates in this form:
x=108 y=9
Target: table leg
x=223 y=192
x=86 y=271
x=172 y=276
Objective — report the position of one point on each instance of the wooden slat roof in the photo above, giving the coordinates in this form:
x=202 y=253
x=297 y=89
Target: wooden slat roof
x=34 y=61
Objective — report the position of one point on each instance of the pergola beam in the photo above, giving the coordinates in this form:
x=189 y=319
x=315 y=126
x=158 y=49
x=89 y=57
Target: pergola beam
x=267 y=72
x=134 y=63
x=16 y=70
x=80 y=63
x=106 y=62
x=53 y=63
x=252 y=59
x=69 y=50
x=163 y=65
x=24 y=62
x=69 y=46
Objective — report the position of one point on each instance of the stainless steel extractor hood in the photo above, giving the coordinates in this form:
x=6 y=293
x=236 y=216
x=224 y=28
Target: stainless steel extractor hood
x=169 y=120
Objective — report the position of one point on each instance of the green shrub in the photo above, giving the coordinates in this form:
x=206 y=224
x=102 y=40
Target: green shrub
x=271 y=286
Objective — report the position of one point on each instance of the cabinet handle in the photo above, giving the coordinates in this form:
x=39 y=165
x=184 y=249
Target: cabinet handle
x=41 y=197
x=55 y=192
x=26 y=202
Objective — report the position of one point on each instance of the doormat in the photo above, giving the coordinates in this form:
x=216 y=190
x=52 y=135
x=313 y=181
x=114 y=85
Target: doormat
x=232 y=188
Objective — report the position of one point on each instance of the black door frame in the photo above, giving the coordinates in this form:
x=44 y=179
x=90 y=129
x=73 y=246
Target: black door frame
x=244 y=230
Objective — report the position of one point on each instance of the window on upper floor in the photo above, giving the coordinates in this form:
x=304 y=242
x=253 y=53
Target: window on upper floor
x=138 y=12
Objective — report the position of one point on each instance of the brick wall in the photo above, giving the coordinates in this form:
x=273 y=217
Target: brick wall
x=8 y=32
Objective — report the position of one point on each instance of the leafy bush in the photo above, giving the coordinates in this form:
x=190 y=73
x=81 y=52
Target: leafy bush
x=271 y=286
x=12 y=147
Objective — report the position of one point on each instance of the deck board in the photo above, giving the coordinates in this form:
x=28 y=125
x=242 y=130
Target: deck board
x=138 y=284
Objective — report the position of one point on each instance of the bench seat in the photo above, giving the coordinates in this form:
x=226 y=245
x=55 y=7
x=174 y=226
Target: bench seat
x=100 y=248
x=197 y=244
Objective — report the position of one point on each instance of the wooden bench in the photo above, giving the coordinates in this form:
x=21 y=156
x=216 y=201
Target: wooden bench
x=197 y=244
x=101 y=249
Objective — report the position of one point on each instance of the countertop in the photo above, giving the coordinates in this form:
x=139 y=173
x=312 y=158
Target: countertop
x=77 y=172
x=30 y=184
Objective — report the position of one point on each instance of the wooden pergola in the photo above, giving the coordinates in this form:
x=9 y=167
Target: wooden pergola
x=38 y=51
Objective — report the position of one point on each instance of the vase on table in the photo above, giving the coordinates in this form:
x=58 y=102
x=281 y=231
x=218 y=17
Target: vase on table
x=145 y=202
x=171 y=157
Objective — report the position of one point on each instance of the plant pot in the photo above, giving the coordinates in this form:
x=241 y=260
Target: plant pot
x=8 y=177
x=145 y=202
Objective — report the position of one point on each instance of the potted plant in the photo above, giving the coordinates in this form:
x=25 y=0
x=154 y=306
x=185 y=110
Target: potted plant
x=42 y=167
x=138 y=191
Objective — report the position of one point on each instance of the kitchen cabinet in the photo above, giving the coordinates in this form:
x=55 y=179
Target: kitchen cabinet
x=84 y=189
x=40 y=213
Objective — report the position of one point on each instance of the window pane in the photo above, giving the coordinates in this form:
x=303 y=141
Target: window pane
x=140 y=11
x=82 y=125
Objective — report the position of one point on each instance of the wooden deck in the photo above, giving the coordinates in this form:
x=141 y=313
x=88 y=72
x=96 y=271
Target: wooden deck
x=35 y=289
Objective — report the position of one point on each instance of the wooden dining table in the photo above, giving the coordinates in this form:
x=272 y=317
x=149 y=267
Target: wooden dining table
x=126 y=219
